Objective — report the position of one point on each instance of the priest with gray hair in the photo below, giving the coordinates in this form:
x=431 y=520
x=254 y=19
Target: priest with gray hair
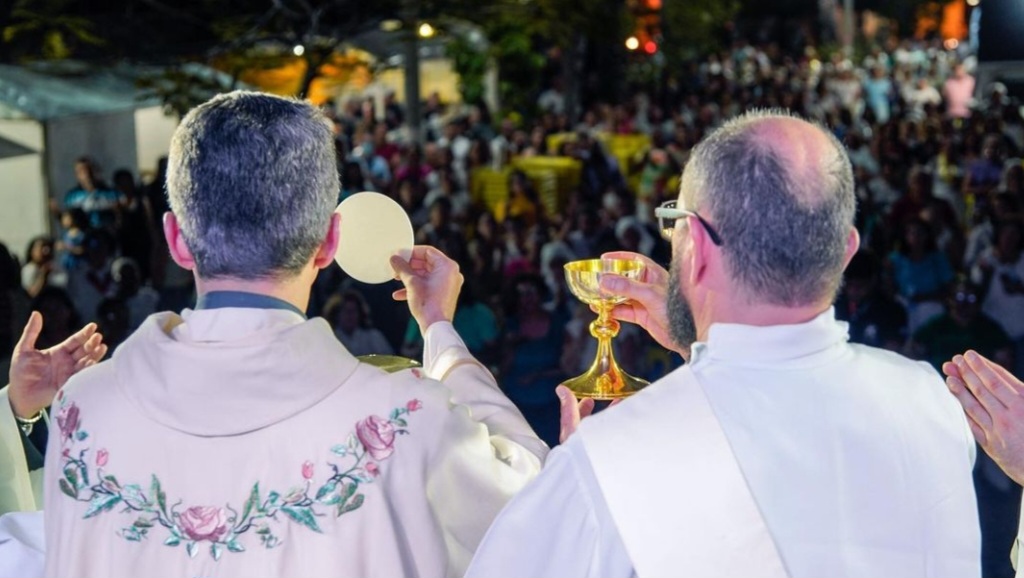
x=779 y=449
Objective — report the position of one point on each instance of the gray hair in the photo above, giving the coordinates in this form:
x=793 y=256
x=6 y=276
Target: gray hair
x=783 y=228
x=252 y=179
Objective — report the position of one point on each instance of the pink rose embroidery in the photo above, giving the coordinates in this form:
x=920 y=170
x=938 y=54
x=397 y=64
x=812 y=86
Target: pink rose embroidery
x=67 y=420
x=373 y=469
x=307 y=470
x=204 y=523
x=413 y=405
x=377 y=435
x=101 y=458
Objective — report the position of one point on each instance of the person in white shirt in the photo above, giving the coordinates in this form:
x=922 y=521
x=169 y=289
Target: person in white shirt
x=993 y=400
x=780 y=449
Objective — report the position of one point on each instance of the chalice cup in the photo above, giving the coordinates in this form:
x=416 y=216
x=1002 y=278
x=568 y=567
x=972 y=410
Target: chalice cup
x=604 y=379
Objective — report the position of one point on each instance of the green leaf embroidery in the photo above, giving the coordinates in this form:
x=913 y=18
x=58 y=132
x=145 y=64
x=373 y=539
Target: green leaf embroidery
x=101 y=503
x=327 y=489
x=68 y=489
x=132 y=495
x=303 y=516
x=252 y=502
x=341 y=490
x=71 y=474
x=353 y=505
x=346 y=493
x=157 y=493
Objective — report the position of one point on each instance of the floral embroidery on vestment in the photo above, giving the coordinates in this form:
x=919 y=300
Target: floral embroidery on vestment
x=355 y=462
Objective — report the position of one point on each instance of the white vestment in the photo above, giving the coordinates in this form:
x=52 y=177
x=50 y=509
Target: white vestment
x=248 y=442
x=858 y=459
x=20 y=490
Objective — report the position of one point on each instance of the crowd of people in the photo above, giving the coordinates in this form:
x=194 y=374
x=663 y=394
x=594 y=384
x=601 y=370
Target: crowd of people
x=938 y=173
x=938 y=178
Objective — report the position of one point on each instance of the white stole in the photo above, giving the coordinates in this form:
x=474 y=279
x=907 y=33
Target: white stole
x=1015 y=552
x=674 y=489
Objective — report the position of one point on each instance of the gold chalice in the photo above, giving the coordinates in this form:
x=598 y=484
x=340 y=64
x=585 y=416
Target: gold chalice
x=604 y=379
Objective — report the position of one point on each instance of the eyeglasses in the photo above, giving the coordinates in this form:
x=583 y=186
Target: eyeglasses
x=667 y=214
x=965 y=298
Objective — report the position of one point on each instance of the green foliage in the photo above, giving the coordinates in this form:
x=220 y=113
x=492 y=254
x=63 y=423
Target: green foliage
x=471 y=66
x=47 y=29
x=180 y=88
x=694 y=27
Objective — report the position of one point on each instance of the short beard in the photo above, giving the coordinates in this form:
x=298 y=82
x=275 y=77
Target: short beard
x=681 y=326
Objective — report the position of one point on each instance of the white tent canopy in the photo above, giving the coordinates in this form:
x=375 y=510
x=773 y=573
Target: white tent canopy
x=53 y=113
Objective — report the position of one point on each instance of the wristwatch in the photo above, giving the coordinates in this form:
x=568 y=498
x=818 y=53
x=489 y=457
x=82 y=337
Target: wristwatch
x=27 y=425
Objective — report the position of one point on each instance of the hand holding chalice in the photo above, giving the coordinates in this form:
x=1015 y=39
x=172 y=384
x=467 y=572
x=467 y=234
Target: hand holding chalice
x=604 y=379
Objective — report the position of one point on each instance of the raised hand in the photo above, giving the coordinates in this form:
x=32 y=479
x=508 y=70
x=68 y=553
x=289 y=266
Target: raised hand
x=36 y=376
x=993 y=400
x=573 y=411
x=432 y=284
x=648 y=294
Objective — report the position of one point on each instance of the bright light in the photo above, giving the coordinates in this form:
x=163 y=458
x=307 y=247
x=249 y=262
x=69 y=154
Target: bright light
x=650 y=47
x=973 y=2
x=426 y=30
x=632 y=43
x=390 y=25
x=299 y=50
x=951 y=43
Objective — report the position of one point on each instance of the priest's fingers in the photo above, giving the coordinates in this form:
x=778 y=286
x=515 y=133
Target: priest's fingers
x=970 y=377
x=91 y=360
x=401 y=267
x=31 y=332
x=649 y=295
x=979 y=434
x=400 y=295
x=974 y=410
x=569 y=417
x=91 y=348
x=950 y=369
x=78 y=339
x=1003 y=386
x=653 y=272
x=586 y=407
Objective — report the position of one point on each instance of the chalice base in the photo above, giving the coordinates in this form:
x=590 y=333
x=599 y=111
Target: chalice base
x=605 y=383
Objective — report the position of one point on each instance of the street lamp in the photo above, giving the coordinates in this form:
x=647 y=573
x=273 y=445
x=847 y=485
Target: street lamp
x=632 y=43
x=426 y=30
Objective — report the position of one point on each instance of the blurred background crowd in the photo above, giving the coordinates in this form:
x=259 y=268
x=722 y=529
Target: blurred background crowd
x=939 y=179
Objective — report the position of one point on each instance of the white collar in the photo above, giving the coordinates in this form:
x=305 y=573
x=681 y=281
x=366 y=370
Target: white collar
x=803 y=344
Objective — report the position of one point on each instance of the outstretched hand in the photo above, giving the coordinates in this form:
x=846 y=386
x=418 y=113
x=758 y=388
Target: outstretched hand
x=36 y=376
x=993 y=400
x=432 y=284
x=573 y=411
x=647 y=298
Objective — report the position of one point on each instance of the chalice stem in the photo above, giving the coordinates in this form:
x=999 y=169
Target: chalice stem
x=604 y=328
